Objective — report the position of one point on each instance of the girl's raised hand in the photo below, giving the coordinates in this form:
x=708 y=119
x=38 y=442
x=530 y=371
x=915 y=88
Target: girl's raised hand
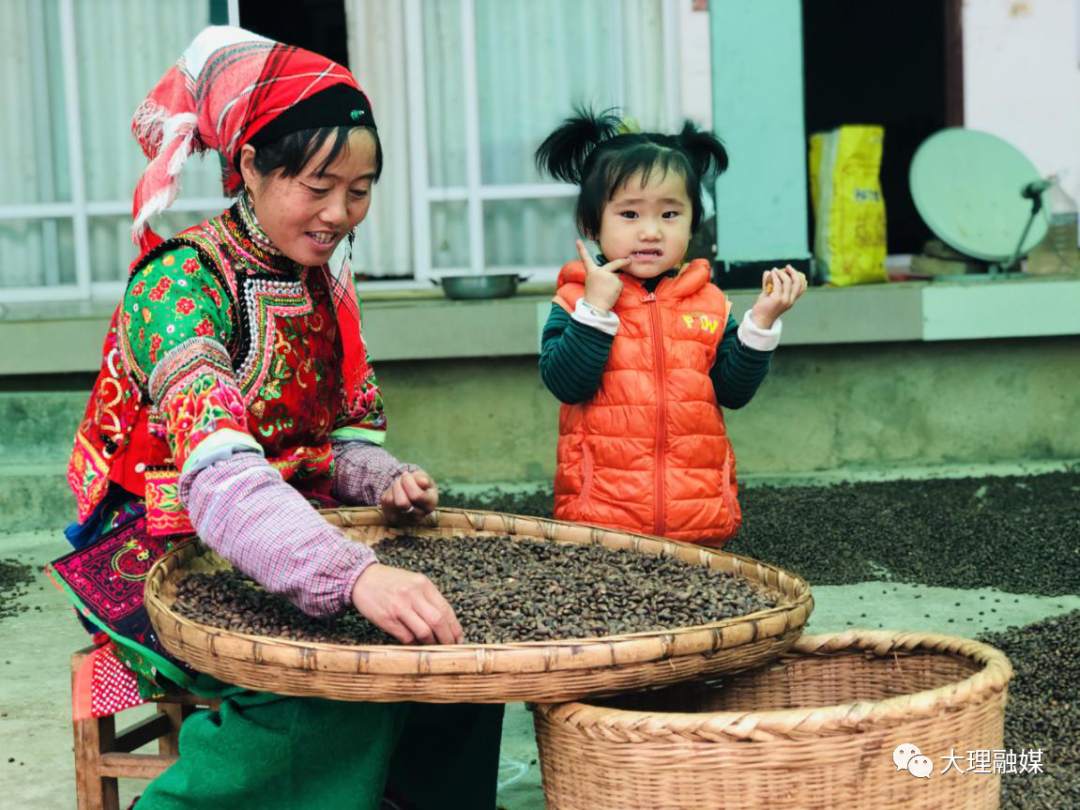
x=602 y=286
x=780 y=289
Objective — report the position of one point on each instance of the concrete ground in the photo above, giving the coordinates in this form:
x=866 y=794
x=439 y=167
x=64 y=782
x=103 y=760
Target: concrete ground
x=36 y=766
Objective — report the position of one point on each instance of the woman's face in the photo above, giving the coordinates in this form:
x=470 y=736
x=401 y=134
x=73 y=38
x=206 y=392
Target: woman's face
x=306 y=216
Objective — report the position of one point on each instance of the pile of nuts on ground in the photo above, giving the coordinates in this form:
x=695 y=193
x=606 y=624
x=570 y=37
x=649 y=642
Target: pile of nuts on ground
x=14 y=579
x=1015 y=533
x=1043 y=712
x=502 y=591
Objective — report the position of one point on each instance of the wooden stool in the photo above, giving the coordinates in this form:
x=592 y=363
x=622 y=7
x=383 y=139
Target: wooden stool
x=102 y=755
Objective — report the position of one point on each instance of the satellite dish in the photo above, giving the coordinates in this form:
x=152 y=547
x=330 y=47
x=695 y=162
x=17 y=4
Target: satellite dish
x=979 y=195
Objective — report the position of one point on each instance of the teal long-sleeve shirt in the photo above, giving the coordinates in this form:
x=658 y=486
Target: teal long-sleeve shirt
x=573 y=356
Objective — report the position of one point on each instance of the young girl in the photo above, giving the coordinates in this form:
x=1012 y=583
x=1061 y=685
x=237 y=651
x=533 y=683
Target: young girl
x=641 y=349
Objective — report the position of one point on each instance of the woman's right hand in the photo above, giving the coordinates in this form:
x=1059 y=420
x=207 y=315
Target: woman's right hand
x=406 y=605
x=602 y=286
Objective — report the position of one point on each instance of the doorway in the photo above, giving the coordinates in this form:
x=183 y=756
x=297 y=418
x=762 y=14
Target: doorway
x=899 y=65
x=315 y=25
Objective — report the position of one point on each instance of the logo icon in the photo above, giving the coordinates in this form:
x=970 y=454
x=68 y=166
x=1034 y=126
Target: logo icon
x=908 y=757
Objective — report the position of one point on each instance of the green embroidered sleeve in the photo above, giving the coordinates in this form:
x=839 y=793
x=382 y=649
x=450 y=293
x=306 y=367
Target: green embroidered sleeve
x=172 y=300
x=175 y=327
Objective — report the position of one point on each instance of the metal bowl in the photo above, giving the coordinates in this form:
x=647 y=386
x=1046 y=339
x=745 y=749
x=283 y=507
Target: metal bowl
x=497 y=285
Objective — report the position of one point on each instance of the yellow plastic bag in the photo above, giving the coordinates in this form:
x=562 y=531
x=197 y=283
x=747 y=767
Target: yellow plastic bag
x=849 y=210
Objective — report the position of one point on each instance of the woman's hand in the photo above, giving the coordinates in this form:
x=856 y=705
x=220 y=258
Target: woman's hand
x=406 y=605
x=779 y=291
x=602 y=286
x=411 y=496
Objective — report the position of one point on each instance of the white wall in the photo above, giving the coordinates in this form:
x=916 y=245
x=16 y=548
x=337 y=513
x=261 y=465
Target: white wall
x=1022 y=79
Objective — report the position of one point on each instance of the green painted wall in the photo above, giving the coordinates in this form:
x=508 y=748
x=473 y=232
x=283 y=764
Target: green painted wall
x=821 y=408
x=471 y=420
x=853 y=407
x=757 y=83
x=913 y=404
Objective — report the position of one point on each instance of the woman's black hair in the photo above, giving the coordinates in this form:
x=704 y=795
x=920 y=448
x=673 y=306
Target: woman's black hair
x=291 y=153
x=592 y=151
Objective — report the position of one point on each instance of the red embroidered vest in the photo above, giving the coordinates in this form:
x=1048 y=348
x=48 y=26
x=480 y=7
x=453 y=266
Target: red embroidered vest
x=284 y=331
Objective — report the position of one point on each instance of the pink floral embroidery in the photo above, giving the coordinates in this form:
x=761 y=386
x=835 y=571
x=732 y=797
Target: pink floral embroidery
x=206 y=405
x=214 y=295
x=155 y=346
x=160 y=288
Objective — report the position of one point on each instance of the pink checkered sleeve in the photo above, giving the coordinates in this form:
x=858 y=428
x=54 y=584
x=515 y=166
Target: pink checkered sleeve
x=363 y=472
x=243 y=509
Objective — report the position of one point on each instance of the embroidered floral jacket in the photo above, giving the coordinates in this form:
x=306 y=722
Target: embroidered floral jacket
x=220 y=341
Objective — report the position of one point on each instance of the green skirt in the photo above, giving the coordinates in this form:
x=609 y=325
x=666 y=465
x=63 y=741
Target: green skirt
x=265 y=751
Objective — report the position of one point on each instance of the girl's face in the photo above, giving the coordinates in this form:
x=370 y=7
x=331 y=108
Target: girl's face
x=306 y=216
x=647 y=223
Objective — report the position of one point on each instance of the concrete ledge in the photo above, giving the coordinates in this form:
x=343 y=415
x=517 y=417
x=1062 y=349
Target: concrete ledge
x=49 y=338
x=1033 y=308
x=429 y=330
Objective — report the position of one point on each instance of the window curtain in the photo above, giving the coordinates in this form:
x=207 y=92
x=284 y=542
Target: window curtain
x=121 y=48
x=33 y=146
x=376 y=41
x=535 y=61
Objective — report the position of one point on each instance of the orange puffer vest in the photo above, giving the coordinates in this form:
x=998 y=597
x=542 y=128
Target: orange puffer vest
x=649 y=452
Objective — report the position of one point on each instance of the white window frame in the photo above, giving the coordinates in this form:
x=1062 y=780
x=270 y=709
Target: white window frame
x=474 y=193
x=78 y=209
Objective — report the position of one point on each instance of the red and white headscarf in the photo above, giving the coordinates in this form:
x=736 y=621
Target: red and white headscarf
x=227 y=86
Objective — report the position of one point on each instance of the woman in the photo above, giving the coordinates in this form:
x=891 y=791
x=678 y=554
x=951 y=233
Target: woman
x=234 y=378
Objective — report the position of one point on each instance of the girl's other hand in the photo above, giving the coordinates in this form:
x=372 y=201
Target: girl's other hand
x=780 y=289
x=602 y=286
x=405 y=604
x=411 y=496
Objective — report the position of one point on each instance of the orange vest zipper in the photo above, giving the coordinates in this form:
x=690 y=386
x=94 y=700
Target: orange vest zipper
x=661 y=412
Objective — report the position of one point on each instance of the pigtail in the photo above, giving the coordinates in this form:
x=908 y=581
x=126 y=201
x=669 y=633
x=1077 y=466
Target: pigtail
x=564 y=152
x=704 y=149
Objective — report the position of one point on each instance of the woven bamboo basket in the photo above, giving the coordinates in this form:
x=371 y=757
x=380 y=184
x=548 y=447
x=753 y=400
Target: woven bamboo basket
x=816 y=728
x=484 y=673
